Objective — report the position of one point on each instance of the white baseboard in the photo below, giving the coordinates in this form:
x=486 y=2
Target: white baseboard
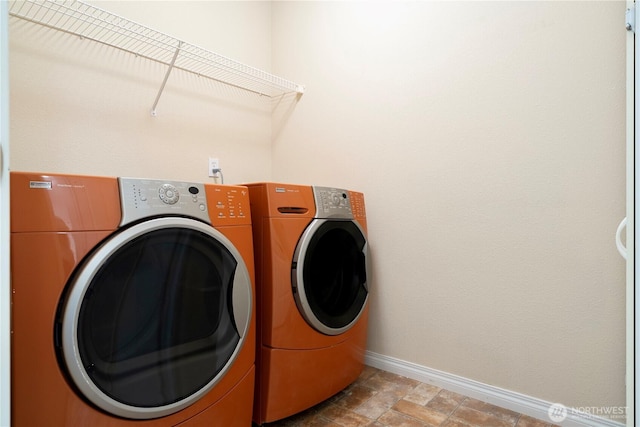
x=511 y=400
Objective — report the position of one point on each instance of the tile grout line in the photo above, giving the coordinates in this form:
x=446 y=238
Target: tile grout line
x=454 y=410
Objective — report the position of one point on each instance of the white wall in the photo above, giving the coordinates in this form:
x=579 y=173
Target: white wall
x=488 y=138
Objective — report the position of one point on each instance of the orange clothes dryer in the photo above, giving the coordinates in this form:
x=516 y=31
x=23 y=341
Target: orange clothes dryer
x=311 y=257
x=132 y=303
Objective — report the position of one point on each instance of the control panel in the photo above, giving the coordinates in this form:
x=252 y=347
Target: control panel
x=332 y=203
x=228 y=202
x=148 y=197
x=357 y=204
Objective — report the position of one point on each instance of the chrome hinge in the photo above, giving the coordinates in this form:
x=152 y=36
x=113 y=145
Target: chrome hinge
x=630 y=19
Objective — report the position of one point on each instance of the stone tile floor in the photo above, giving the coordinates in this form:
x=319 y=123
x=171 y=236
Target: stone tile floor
x=380 y=399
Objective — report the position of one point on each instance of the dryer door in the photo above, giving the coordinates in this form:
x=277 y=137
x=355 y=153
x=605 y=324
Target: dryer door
x=154 y=317
x=329 y=274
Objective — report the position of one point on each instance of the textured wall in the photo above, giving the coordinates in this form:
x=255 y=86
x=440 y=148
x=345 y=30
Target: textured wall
x=488 y=138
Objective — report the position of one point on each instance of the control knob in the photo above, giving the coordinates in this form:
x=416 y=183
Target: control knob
x=168 y=194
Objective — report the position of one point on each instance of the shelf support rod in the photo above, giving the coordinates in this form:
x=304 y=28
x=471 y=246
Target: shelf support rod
x=166 y=77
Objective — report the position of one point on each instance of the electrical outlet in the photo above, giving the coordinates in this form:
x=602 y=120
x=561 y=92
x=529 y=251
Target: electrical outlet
x=214 y=163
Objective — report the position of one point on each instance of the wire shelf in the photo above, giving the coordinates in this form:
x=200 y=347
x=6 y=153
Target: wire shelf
x=90 y=22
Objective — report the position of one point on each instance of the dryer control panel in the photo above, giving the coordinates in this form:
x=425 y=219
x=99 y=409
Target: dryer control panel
x=142 y=198
x=332 y=203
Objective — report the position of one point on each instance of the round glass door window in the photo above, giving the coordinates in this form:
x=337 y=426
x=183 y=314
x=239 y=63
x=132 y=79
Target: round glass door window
x=329 y=275
x=155 y=317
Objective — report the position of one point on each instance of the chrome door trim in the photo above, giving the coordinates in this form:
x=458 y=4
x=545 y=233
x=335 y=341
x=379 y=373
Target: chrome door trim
x=297 y=279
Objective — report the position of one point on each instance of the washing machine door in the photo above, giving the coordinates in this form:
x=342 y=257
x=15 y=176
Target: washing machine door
x=329 y=274
x=155 y=317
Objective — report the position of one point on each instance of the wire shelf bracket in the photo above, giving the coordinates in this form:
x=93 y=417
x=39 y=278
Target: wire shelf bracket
x=92 y=23
x=164 y=81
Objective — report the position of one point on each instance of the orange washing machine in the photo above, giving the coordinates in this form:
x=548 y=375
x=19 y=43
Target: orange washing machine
x=132 y=302
x=311 y=257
